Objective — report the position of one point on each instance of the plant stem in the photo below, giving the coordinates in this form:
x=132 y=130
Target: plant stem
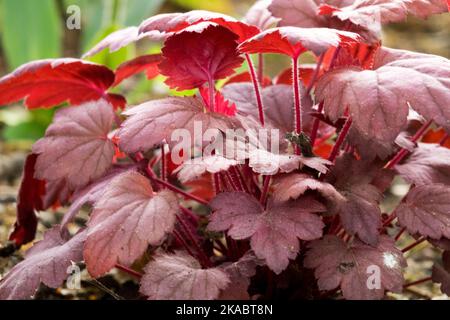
x=163 y=164
x=414 y=244
x=315 y=74
x=399 y=234
x=194 y=242
x=402 y=153
x=316 y=124
x=129 y=271
x=265 y=192
x=414 y=283
x=297 y=99
x=340 y=140
x=183 y=193
x=184 y=244
x=212 y=93
x=256 y=87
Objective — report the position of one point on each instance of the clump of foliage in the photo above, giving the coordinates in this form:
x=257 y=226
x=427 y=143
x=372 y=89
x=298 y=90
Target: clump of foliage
x=304 y=222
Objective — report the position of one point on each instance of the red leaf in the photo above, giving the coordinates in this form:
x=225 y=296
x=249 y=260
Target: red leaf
x=148 y=63
x=378 y=99
x=47 y=262
x=306 y=73
x=350 y=267
x=127 y=219
x=274 y=232
x=29 y=201
x=293 y=41
x=76 y=146
x=221 y=105
x=175 y=22
x=192 y=58
x=180 y=277
x=429 y=163
x=47 y=83
x=426 y=210
x=151 y=123
x=246 y=77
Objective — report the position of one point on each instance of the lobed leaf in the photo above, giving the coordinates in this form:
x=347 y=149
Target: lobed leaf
x=274 y=232
x=127 y=218
x=426 y=211
x=180 y=277
x=47 y=262
x=47 y=83
x=76 y=146
x=351 y=266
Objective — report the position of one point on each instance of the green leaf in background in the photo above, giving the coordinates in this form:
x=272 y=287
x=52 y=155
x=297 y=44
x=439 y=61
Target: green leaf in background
x=30 y=30
x=223 y=6
x=28 y=126
x=133 y=12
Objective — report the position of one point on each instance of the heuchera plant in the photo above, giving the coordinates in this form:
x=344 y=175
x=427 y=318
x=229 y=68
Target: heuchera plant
x=304 y=222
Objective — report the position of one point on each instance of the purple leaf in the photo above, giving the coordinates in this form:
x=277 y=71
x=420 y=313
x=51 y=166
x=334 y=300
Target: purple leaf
x=259 y=15
x=351 y=267
x=360 y=213
x=292 y=186
x=128 y=217
x=278 y=104
x=180 y=277
x=47 y=262
x=76 y=146
x=195 y=168
x=274 y=232
x=378 y=99
x=441 y=274
x=150 y=123
x=429 y=163
x=426 y=210
x=91 y=193
x=122 y=38
x=239 y=273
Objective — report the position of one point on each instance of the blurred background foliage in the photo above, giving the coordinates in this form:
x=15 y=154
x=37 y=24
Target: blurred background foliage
x=36 y=29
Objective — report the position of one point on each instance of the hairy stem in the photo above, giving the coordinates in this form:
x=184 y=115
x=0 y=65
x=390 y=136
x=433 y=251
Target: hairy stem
x=414 y=244
x=163 y=164
x=212 y=93
x=340 y=140
x=256 y=87
x=316 y=124
x=414 y=283
x=399 y=234
x=444 y=139
x=297 y=99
